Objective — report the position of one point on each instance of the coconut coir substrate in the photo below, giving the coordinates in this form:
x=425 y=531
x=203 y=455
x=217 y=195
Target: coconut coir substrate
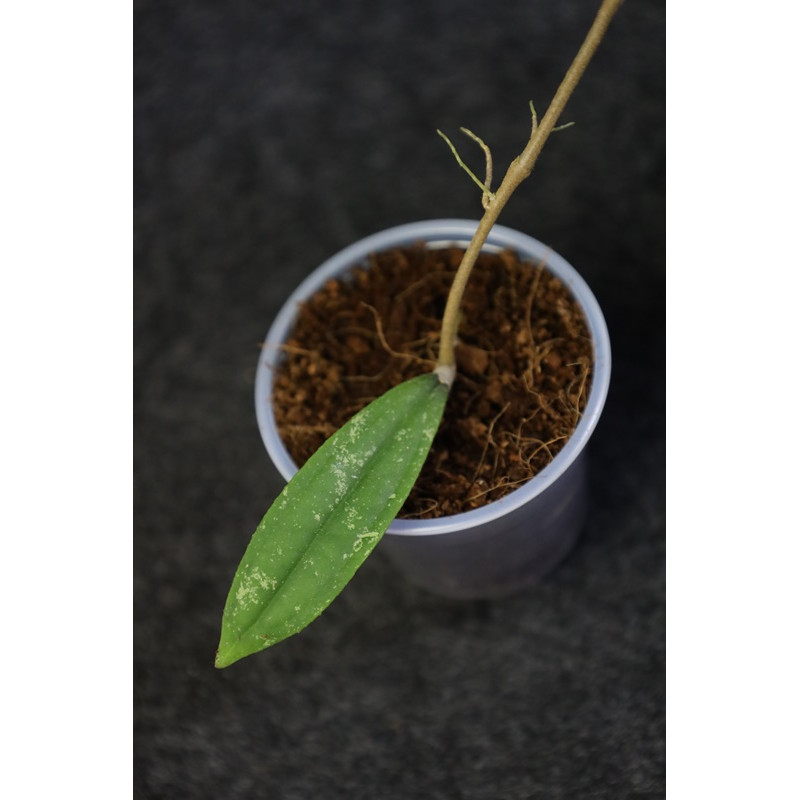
x=524 y=367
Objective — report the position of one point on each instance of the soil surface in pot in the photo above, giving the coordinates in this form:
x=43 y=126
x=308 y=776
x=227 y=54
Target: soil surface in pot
x=524 y=367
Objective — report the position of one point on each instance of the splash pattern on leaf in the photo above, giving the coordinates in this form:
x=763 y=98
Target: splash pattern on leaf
x=329 y=517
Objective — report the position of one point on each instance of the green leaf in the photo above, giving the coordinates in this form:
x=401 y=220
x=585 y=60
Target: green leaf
x=329 y=517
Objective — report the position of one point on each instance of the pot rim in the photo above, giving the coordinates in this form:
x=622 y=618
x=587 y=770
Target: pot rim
x=445 y=232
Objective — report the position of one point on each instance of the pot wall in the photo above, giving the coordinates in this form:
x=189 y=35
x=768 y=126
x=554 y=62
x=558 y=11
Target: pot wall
x=518 y=539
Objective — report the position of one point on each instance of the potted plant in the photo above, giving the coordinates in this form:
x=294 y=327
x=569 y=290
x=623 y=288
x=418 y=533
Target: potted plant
x=337 y=507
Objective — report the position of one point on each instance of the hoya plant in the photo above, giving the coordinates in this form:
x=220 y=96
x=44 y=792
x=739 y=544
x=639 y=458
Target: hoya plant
x=336 y=508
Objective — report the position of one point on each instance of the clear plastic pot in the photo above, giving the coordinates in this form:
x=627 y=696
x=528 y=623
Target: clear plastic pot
x=510 y=543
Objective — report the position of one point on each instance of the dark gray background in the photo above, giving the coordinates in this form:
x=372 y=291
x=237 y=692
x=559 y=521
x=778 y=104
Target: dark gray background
x=267 y=137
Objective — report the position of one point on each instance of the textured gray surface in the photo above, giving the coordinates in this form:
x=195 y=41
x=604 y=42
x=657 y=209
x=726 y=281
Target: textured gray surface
x=267 y=137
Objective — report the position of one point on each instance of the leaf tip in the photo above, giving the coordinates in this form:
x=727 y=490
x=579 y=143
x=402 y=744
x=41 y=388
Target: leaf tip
x=222 y=660
x=227 y=652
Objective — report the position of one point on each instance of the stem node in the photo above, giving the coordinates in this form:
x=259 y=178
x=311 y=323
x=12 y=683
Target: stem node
x=519 y=169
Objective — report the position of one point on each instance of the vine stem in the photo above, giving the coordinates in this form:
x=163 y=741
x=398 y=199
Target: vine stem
x=519 y=169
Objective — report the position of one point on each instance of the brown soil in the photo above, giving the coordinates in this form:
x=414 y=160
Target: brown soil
x=524 y=362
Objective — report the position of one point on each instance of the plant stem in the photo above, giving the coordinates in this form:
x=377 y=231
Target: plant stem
x=520 y=168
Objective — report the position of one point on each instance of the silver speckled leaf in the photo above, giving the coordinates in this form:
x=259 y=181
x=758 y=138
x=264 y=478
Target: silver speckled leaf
x=329 y=517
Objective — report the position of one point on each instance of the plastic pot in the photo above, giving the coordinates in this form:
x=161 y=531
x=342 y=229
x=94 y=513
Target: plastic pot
x=512 y=542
